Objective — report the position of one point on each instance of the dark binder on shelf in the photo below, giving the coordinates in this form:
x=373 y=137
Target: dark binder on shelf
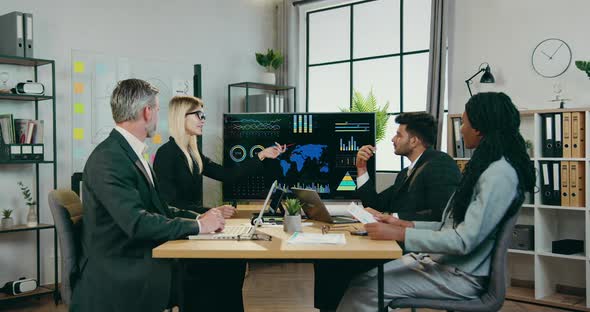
x=12 y=34
x=565 y=184
x=28 y=35
x=459 y=151
x=578 y=134
x=547 y=135
x=567 y=135
x=557 y=130
x=550 y=183
x=577 y=184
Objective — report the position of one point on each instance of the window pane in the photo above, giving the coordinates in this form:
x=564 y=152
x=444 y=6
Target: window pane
x=382 y=75
x=329 y=88
x=417 y=25
x=415 y=82
x=376 y=28
x=443 y=145
x=329 y=36
x=386 y=158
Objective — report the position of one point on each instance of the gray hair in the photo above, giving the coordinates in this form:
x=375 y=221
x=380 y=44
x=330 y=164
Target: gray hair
x=130 y=97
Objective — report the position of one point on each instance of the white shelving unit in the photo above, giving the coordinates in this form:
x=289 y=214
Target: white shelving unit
x=540 y=276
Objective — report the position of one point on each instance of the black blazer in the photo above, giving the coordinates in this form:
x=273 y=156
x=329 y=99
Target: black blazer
x=183 y=189
x=124 y=219
x=420 y=197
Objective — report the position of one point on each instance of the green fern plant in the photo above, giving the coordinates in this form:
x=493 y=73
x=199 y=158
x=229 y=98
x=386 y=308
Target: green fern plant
x=368 y=104
x=584 y=66
x=271 y=60
x=6 y=213
x=293 y=206
x=26 y=194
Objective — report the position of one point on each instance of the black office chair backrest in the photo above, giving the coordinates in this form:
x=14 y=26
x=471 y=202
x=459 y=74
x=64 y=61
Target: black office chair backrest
x=496 y=292
x=66 y=209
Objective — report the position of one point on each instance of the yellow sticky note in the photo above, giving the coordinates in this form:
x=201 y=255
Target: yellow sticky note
x=79 y=108
x=78 y=87
x=78 y=134
x=146 y=156
x=157 y=139
x=79 y=67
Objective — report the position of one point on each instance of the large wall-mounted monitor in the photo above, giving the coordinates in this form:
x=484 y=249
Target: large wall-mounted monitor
x=321 y=151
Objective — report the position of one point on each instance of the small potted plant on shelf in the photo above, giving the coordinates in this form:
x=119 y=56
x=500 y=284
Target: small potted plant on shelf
x=362 y=104
x=32 y=214
x=270 y=60
x=292 y=222
x=584 y=66
x=7 y=220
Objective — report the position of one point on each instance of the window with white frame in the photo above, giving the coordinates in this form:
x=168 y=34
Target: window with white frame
x=378 y=45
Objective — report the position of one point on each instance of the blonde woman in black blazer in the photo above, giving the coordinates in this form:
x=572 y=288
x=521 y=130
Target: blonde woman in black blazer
x=208 y=285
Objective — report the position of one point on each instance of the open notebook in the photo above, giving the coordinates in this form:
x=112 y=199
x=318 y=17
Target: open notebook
x=240 y=232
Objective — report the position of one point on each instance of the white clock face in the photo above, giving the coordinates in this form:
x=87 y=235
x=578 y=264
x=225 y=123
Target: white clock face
x=551 y=58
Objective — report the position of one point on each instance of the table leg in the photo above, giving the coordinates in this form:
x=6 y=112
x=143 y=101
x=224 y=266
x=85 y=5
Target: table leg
x=381 y=300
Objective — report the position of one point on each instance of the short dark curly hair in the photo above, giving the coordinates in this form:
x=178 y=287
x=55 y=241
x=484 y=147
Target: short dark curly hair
x=421 y=125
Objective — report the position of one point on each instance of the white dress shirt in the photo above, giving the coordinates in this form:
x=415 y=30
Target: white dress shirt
x=139 y=148
x=364 y=178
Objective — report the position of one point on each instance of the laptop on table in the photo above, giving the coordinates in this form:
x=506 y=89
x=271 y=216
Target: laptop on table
x=315 y=209
x=239 y=232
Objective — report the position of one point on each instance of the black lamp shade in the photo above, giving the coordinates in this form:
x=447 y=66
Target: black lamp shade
x=487 y=76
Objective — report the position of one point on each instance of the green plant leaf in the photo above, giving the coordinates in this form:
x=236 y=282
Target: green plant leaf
x=261 y=59
x=369 y=104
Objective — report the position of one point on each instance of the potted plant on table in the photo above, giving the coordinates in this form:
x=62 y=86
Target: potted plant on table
x=7 y=220
x=270 y=60
x=292 y=221
x=32 y=214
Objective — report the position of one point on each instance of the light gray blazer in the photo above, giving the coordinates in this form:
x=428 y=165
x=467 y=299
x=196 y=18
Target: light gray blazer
x=468 y=247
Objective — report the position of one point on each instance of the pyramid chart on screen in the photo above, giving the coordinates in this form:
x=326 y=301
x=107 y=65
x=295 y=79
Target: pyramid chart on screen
x=347 y=183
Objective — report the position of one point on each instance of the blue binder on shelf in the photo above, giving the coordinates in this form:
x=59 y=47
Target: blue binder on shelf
x=550 y=183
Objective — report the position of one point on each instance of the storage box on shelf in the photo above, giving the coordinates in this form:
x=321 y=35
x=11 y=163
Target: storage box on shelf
x=541 y=275
x=14 y=154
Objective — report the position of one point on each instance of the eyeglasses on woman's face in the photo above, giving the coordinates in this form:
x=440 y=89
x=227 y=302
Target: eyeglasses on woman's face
x=199 y=113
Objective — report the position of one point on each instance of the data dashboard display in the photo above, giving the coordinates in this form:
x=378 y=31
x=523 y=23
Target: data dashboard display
x=321 y=151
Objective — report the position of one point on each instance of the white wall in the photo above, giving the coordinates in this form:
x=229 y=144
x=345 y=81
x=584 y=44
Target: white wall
x=222 y=35
x=504 y=34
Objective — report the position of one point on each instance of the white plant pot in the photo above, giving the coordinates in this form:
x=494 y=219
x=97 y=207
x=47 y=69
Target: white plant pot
x=32 y=216
x=7 y=222
x=292 y=224
x=268 y=78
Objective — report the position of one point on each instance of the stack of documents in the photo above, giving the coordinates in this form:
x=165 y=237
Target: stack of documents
x=299 y=238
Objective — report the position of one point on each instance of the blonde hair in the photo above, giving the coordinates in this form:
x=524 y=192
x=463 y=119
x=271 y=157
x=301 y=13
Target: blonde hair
x=177 y=109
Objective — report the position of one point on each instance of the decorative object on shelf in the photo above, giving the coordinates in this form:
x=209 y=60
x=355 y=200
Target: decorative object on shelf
x=271 y=61
x=361 y=104
x=487 y=76
x=4 y=77
x=20 y=286
x=584 y=66
x=292 y=221
x=551 y=58
x=29 y=87
x=557 y=89
x=7 y=220
x=32 y=219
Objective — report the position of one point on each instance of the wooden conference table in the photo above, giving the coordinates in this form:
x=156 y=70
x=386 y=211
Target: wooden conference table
x=356 y=247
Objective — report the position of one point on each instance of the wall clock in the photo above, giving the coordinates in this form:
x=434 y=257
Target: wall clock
x=551 y=57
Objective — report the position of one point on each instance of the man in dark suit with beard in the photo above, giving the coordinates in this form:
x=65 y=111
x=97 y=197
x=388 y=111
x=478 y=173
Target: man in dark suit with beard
x=124 y=217
x=420 y=192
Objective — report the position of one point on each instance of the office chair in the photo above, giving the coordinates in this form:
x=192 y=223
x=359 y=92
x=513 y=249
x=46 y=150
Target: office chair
x=493 y=298
x=66 y=209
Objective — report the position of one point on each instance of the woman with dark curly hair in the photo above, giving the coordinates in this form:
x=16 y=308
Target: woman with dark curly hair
x=451 y=259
